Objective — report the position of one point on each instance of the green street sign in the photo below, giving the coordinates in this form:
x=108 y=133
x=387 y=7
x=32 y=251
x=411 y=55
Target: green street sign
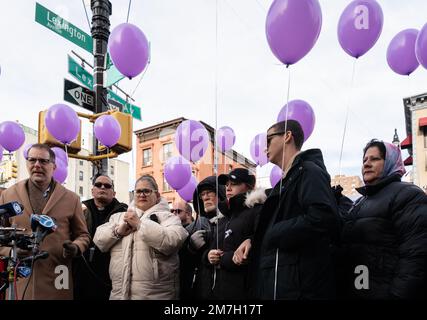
x=64 y=28
x=80 y=73
x=113 y=76
x=127 y=107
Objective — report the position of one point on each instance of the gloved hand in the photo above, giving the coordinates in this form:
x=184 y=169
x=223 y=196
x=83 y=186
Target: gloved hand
x=70 y=250
x=197 y=239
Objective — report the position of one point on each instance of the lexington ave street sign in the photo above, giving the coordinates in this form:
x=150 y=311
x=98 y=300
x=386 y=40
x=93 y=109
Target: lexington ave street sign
x=69 y=31
x=64 y=28
x=80 y=73
x=79 y=95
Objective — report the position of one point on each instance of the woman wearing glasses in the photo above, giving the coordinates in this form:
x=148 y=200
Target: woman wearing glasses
x=385 y=233
x=144 y=244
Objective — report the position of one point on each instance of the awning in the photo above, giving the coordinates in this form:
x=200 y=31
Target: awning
x=407 y=143
x=422 y=122
x=408 y=161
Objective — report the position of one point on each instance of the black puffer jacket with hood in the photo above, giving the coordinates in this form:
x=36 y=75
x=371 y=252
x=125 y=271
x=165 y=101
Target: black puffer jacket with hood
x=298 y=222
x=191 y=271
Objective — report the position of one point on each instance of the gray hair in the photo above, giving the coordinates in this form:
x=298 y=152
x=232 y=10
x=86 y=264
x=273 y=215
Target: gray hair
x=150 y=180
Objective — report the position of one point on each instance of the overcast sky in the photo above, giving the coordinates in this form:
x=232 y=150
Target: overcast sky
x=252 y=84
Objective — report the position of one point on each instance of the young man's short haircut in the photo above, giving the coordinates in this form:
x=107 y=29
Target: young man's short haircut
x=292 y=126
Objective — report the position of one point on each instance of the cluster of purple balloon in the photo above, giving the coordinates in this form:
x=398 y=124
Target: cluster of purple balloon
x=129 y=49
x=292 y=28
x=12 y=136
x=107 y=130
x=192 y=141
x=407 y=50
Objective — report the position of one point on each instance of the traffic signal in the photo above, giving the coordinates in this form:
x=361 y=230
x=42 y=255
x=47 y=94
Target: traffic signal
x=125 y=141
x=47 y=138
x=14 y=170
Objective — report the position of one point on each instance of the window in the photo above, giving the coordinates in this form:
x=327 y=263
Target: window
x=425 y=136
x=166 y=186
x=147 y=157
x=81 y=175
x=112 y=170
x=81 y=191
x=167 y=151
x=81 y=162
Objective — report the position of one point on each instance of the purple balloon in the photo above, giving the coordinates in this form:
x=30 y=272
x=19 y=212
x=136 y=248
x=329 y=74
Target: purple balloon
x=257 y=149
x=401 y=52
x=300 y=111
x=421 y=46
x=63 y=123
x=11 y=135
x=177 y=172
x=60 y=155
x=360 y=26
x=191 y=139
x=129 y=49
x=107 y=130
x=186 y=192
x=292 y=28
x=225 y=138
x=26 y=148
x=61 y=171
x=275 y=175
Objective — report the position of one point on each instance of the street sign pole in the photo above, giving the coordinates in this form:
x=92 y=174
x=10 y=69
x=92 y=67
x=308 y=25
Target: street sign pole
x=101 y=10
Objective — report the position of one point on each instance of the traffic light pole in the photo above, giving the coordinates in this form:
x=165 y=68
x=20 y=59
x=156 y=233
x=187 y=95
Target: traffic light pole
x=101 y=11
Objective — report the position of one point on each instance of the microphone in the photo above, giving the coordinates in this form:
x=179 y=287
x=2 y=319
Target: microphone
x=41 y=255
x=11 y=209
x=41 y=225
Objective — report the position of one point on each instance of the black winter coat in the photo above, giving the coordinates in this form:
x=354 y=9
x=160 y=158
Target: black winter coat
x=231 y=280
x=296 y=227
x=386 y=231
x=88 y=286
x=191 y=270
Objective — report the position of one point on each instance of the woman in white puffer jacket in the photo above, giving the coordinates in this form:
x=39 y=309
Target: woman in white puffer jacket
x=144 y=244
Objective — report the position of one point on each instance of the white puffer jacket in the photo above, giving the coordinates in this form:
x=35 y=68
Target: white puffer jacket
x=145 y=264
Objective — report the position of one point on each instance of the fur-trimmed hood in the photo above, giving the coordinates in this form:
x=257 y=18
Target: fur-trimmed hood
x=257 y=196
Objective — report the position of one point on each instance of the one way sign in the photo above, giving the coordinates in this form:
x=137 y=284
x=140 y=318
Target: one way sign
x=79 y=95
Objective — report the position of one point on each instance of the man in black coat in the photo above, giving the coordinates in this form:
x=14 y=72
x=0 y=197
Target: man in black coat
x=195 y=282
x=291 y=250
x=90 y=272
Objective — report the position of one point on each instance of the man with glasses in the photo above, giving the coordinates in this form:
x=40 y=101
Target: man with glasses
x=291 y=254
x=91 y=278
x=41 y=194
x=193 y=274
x=184 y=211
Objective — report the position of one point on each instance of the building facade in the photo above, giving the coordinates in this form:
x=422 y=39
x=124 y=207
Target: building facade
x=156 y=144
x=416 y=141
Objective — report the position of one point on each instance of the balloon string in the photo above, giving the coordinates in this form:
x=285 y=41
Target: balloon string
x=108 y=161
x=346 y=119
x=286 y=128
x=66 y=152
x=216 y=122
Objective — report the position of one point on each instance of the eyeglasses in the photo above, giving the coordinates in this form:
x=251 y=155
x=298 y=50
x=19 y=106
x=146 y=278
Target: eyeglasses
x=100 y=184
x=270 y=136
x=145 y=192
x=207 y=193
x=42 y=161
x=177 y=211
